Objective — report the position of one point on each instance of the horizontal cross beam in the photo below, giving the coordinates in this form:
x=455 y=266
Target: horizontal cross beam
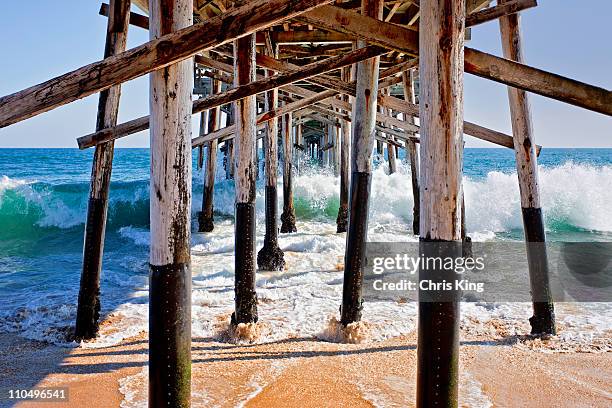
x=155 y=54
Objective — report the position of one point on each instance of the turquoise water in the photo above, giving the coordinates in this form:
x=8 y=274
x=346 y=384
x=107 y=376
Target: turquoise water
x=43 y=199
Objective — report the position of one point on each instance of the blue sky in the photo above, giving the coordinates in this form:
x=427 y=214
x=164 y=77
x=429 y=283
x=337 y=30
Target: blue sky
x=43 y=39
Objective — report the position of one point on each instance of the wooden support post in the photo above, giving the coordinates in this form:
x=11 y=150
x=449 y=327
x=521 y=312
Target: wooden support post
x=170 y=201
x=288 y=215
x=363 y=127
x=200 y=153
x=336 y=149
x=442 y=32
x=300 y=143
x=390 y=147
x=88 y=310
x=348 y=74
x=229 y=145
x=245 y=140
x=205 y=217
x=271 y=257
x=411 y=150
x=543 y=319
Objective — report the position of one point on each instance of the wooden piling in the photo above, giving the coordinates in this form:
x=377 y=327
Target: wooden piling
x=412 y=153
x=347 y=75
x=543 y=319
x=245 y=142
x=363 y=127
x=229 y=145
x=441 y=31
x=300 y=144
x=170 y=201
x=205 y=217
x=390 y=147
x=271 y=257
x=200 y=152
x=336 y=149
x=88 y=309
x=288 y=215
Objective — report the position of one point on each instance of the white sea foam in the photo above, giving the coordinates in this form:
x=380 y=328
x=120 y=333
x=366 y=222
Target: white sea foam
x=300 y=300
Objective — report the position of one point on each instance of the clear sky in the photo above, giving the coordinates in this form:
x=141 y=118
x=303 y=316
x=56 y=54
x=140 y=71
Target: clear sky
x=42 y=39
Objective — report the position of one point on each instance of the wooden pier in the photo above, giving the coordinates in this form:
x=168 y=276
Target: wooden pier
x=334 y=80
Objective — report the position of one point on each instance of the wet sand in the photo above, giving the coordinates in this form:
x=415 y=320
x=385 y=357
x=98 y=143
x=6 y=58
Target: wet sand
x=304 y=372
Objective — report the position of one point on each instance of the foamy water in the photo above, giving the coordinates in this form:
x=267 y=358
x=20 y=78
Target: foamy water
x=47 y=217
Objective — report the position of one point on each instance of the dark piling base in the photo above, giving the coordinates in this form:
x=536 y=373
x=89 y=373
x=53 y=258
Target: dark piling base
x=438 y=334
x=416 y=216
x=543 y=319
x=466 y=247
x=88 y=309
x=245 y=295
x=170 y=336
x=355 y=248
x=288 y=221
x=205 y=223
x=342 y=219
x=271 y=258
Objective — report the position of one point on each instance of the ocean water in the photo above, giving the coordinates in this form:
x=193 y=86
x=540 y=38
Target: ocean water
x=43 y=200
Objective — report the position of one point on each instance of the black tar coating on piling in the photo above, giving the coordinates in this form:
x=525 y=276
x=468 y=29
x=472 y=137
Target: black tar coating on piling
x=355 y=248
x=438 y=337
x=88 y=310
x=543 y=319
x=169 y=335
x=271 y=257
x=245 y=296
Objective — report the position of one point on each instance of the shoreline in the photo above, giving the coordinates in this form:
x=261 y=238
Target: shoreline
x=307 y=372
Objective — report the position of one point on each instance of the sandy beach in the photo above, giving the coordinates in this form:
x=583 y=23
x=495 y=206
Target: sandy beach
x=305 y=372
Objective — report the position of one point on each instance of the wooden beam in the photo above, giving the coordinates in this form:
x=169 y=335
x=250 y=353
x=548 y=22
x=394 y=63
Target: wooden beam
x=477 y=62
x=245 y=140
x=170 y=208
x=442 y=30
x=502 y=9
x=390 y=102
x=88 y=308
x=237 y=93
x=543 y=319
x=137 y=20
x=155 y=54
x=226 y=133
x=306 y=37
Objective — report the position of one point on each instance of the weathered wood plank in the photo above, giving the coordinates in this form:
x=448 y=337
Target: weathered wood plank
x=237 y=93
x=498 y=11
x=155 y=54
x=477 y=62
